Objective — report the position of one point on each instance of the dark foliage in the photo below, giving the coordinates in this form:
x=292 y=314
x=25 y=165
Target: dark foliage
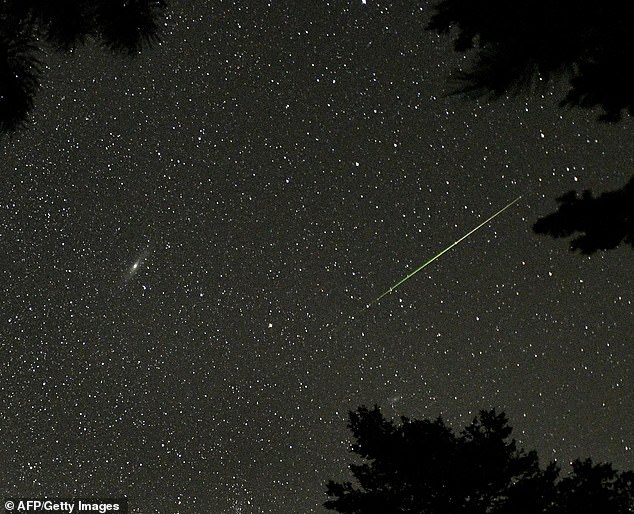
x=123 y=26
x=596 y=488
x=19 y=72
x=520 y=43
x=423 y=467
x=604 y=222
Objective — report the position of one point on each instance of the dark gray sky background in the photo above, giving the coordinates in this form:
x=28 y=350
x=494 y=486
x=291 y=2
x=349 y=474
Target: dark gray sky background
x=270 y=170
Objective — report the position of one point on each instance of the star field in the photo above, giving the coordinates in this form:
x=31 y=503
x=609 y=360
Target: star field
x=190 y=236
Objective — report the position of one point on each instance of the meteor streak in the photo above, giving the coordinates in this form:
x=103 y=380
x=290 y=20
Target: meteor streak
x=439 y=254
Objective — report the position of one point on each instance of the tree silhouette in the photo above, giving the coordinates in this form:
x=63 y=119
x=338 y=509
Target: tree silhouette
x=522 y=43
x=421 y=466
x=599 y=488
x=605 y=221
x=123 y=26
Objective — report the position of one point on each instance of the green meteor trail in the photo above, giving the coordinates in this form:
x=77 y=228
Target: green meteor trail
x=439 y=254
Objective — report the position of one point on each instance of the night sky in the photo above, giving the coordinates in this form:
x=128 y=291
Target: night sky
x=189 y=238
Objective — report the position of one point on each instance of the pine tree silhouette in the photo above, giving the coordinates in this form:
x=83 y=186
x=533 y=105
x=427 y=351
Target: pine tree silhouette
x=422 y=467
x=604 y=222
x=523 y=43
x=123 y=26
